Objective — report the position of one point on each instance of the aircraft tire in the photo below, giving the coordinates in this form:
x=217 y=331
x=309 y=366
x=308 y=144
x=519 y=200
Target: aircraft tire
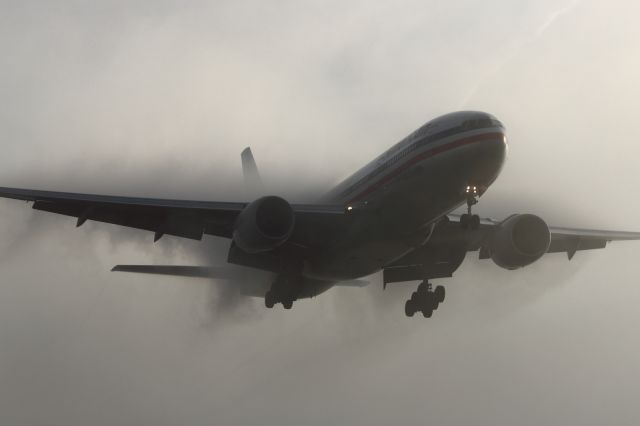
x=288 y=304
x=409 y=308
x=439 y=293
x=464 y=221
x=269 y=300
x=474 y=222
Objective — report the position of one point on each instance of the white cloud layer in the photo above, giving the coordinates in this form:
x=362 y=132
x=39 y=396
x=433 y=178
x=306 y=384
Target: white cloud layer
x=159 y=98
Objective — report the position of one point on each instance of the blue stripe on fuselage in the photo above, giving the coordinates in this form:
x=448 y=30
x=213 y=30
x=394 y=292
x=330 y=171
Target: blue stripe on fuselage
x=413 y=144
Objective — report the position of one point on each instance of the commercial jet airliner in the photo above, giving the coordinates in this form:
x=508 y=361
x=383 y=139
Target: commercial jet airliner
x=394 y=215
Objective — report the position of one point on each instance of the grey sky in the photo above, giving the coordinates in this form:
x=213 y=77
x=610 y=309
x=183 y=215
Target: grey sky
x=159 y=98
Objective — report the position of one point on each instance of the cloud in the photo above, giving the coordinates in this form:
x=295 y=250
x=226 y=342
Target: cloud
x=554 y=16
x=159 y=99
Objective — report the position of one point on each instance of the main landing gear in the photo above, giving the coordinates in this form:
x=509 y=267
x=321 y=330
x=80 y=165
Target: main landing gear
x=424 y=299
x=468 y=220
x=284 y=290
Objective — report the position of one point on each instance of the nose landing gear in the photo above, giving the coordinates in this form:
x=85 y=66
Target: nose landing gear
x=468 y=220
x=424 y=299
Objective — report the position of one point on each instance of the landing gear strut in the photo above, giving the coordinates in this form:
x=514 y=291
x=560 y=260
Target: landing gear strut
x=424 y=299
x=468 y=220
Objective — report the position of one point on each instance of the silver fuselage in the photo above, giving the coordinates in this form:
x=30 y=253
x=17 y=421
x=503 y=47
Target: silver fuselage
x=398 y=197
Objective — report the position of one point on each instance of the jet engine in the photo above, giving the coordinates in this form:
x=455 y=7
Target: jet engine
x=264 y=225
x=519 y=241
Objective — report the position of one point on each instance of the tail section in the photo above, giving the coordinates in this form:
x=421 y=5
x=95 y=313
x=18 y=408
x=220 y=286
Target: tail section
x=253 y=182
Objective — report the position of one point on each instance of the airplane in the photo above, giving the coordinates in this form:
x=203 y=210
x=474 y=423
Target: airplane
x=394 y=215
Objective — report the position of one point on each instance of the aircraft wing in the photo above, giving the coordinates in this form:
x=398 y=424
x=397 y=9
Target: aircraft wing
x=563 y=240
x=449 y=244
x=182 y=218
x=570 y=240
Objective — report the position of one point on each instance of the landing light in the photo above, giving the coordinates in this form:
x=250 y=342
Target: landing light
x=349 y=208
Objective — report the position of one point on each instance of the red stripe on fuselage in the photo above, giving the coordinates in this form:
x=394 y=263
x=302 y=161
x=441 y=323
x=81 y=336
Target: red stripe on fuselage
x=426 y=154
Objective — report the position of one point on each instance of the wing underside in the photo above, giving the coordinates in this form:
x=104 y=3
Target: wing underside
x=193 y=219
x=563 y=240
x=182 y=218
x=449 y=244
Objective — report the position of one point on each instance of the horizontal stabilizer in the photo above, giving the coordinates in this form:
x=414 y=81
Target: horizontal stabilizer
x=245 y=281
x=353 y=283
x=221 y=273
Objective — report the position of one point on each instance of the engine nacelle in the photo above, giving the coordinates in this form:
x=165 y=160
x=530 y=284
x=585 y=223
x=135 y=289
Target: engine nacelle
x=264 y=225
x=520 y=240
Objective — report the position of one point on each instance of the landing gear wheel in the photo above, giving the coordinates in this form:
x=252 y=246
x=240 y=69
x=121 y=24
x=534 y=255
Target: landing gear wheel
x=409 y=309
x=425 y=300
x=439 y=294
x=269 y=300
x=474 y=222
x=288 y=304
x=468 y=221
x=464 y=221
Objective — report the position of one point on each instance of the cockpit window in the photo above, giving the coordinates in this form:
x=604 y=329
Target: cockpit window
x=480 y=123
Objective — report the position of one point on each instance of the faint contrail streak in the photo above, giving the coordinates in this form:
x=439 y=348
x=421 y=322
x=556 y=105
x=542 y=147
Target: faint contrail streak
x=554 y=16
x=518 y=46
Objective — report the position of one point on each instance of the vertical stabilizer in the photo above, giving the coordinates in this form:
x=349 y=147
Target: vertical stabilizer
x=252 y=181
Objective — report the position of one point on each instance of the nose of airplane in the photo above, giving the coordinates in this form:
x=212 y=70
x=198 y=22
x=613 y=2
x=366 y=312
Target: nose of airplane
x=485 y=154
x=489 y=156
x=502 y=132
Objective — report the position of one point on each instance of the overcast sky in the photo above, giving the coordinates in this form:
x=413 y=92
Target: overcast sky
x=159 y=98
